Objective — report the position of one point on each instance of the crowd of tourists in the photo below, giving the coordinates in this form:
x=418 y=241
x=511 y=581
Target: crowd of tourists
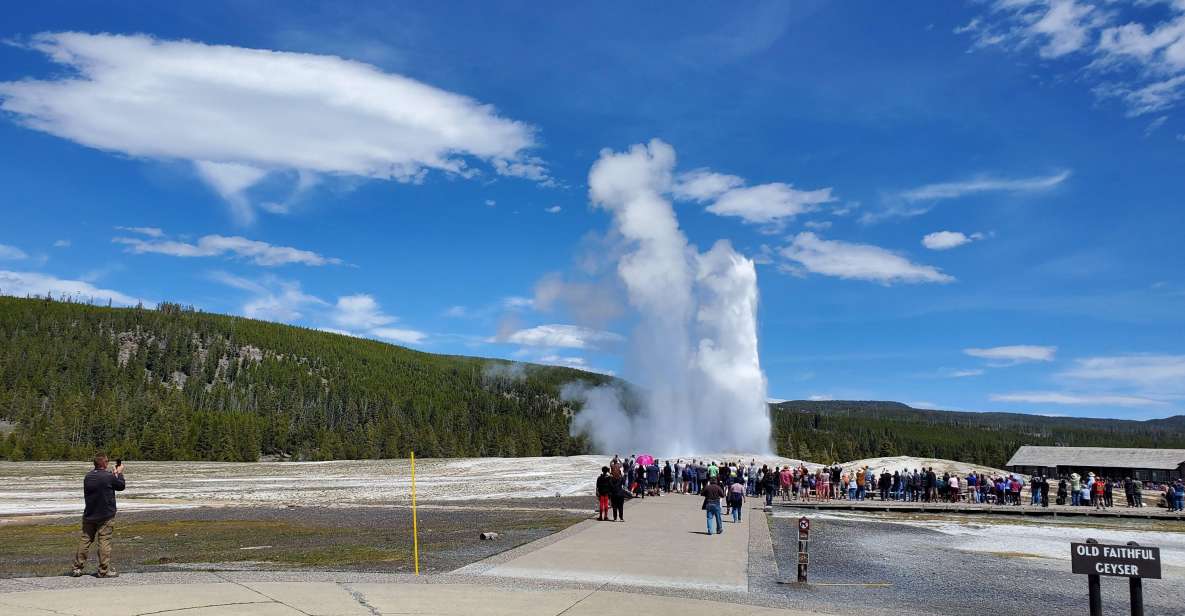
x=642 y=476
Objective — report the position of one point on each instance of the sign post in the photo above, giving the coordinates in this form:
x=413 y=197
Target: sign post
x=804 y=529
x=1132 y=561
x=415 y=525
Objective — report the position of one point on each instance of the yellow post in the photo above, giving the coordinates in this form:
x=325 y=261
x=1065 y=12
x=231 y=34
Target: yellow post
x=415 y=530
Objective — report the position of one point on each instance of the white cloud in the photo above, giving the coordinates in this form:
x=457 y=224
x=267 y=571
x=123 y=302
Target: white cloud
x=271 y=299
x=769 y=203
x=922 y=199
x=61 y=244
x=1014 y=354
x=817 y=225
x=555 y=209
x=704 y=185
x=811 y=253
x=359 y=312
x=12 y=253
x=820 y=397
x=561 y=336
x=358 y=315
x=1152 y=374
x=149 y=231
x=238 y=114
x=959 y=374
x=21 y=284
x=1058 y=397
x=762 y=204
x=1137 y=56
x=945 y=240
x=260 y=253
x=406 y=336
x=491 y=203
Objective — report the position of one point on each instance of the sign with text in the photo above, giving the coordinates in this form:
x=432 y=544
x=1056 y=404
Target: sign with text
x=1115 y=560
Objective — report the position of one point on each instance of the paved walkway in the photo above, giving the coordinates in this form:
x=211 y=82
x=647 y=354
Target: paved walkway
x=661 y=561
x=663 y=543
x=353 y=599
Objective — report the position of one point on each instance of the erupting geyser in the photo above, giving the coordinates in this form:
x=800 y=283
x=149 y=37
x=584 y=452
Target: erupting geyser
x=694 y=351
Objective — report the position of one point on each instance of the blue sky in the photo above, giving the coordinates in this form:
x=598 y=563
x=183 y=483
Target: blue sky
x=968 y=206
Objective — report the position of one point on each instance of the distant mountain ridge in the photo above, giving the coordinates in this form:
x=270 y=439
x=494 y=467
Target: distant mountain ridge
x=839 y=430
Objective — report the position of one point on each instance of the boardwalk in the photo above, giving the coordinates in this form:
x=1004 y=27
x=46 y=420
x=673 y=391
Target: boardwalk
x=1155 y=513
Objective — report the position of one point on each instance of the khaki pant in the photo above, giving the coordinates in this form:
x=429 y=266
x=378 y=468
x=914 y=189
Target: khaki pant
x=95 y=531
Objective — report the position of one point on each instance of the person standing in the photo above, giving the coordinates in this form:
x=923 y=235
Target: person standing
x=618 y=489
x=98 y=491
x=712 y=494
x=604 y=489
x=736 y=499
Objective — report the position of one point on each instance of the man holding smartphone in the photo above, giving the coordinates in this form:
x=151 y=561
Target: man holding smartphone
x=98 y=489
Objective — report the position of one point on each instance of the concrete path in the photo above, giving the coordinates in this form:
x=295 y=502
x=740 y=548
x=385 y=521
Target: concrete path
x=662 y=543
x=312 y=598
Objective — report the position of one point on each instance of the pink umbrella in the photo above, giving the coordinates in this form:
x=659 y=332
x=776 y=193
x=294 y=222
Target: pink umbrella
x=645 y=459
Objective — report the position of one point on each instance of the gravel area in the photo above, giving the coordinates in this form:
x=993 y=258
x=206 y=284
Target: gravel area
x=924 y=572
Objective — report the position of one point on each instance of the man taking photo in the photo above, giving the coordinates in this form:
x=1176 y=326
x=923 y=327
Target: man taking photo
x=98 y=490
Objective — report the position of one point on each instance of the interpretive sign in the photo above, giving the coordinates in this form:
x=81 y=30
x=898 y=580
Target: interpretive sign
x=1115 y=560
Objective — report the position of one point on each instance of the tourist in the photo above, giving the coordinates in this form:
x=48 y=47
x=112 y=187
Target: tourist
x=736 y=499
x=652 y=477
x=1075 y=489
x=751 y=479
x=884 y=484
x=770 y=487
x=786 y=482
x=712 y=494
x=680 y=479
x=701 y=474
x=1063 y=488
x=1179 y=496
x=98 y=491
x=1099 y=493
x=666 y=477
x=1138 y=492
x=604 y=489
x=618 y=491
x=1108 y=493
x=952 y=488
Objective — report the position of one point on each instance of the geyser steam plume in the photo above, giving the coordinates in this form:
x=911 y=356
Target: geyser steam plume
x=694 y=352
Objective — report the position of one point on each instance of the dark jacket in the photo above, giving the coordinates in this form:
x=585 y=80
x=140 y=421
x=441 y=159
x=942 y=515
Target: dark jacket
x=604 y=485
x=712 y=494
x=98 y=490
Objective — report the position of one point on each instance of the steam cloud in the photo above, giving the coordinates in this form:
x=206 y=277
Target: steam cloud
x=694 y=352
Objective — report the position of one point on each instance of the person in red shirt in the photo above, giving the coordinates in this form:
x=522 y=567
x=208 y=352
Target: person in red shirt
x=1100 y=488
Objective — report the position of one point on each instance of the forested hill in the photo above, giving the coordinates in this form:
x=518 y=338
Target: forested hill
x=172 y=383
x=840 y=430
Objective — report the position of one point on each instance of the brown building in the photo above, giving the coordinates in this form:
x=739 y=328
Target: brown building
x=1111 y=462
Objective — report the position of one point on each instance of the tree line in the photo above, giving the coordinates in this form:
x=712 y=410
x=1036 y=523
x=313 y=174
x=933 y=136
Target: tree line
x=172 y=383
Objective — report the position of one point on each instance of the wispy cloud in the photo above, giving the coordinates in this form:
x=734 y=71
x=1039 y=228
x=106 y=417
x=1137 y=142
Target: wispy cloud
x=561 y=336
x=1079 y=399
x=257 y=252
x=809 y=253
x=21 y=284
x=1014 y=354
x=12 y=253
x=921 y=199
x=1136 y=57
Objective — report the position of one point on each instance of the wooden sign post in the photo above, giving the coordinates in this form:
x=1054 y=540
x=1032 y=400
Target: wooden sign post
x=1132 y=561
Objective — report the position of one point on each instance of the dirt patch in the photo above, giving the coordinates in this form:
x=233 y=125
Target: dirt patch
x=354 y=539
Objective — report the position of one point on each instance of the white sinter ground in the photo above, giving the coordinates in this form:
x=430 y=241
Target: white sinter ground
x=56 y=487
